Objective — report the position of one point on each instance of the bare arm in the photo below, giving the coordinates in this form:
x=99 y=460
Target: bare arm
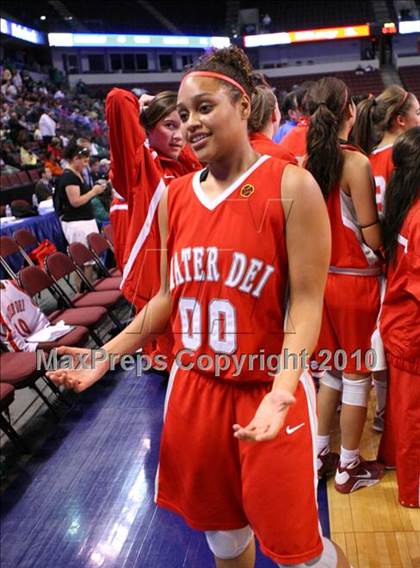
x=76 y=199
x=358 y=181
x=152 y=320
x=308 y=240
x=149 y=323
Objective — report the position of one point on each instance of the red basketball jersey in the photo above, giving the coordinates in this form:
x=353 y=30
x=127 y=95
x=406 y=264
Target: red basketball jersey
x=382 y=166
x=400 y=315
x=264 y=145
x=295 y=140
x=228 y=270
x=348 y=250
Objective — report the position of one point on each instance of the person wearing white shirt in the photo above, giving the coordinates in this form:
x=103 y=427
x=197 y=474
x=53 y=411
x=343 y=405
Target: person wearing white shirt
x=47 y=127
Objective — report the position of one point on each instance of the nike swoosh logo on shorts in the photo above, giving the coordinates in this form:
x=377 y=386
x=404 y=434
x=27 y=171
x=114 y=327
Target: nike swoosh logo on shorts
x=290 y=430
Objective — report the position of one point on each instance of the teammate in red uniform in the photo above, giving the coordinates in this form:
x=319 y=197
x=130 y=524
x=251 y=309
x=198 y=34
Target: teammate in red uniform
x=263 y=123
x=379 y=122
x=295 y=140
x=229 y=261
x=401 y=315
x=120 y=220
x=351 y=302
x=141 y=169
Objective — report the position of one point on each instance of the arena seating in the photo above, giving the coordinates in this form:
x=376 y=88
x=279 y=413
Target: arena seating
x=365 y=82
x=410 y=77
x=306 y=14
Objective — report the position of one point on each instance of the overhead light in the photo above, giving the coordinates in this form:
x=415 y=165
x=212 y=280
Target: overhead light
x=43 y=18
x=68 y=18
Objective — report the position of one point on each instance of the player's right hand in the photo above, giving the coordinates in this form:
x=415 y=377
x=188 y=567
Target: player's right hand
x=78 y=379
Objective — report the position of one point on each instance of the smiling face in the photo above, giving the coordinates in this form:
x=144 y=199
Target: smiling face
x=411 y=118
x=212 y=122
x=166 y=136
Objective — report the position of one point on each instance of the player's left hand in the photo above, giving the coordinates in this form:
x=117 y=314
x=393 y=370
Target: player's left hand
x=268 y=419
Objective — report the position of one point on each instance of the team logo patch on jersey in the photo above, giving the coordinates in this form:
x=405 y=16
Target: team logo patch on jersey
x=247 y=190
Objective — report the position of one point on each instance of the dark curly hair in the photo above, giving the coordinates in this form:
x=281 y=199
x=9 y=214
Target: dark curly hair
x=231 y=61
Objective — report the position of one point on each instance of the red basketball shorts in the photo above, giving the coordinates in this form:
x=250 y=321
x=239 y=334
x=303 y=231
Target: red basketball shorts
x=216 y=482
x=351 y=308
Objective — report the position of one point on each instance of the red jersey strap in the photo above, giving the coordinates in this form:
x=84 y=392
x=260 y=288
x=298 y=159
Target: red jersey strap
x=346 y=145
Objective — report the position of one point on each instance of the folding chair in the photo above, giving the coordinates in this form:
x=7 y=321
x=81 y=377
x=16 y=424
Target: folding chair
x=60 y=266
x=99 y=245
x=34 y=281
x=24 y=179
x=107 y=231
x=9 y=247
x=21 y=370
x=25 y=238
x=80 y=255
x=7 y=396
x=34 y=175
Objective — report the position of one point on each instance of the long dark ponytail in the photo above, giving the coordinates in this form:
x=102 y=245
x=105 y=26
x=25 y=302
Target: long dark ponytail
x=375 y=116
x=403 y=187
x=327 y=103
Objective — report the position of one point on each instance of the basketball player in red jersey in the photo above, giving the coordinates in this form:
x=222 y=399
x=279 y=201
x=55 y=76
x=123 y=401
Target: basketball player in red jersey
x=351 y=304
x=379 y=122
x=229 y=258
x=264 y=122
x=401 y=315
x=295 y=140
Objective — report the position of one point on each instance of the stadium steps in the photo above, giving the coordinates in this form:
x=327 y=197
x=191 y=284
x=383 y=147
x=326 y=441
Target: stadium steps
x=390 y=76
x=381 y=11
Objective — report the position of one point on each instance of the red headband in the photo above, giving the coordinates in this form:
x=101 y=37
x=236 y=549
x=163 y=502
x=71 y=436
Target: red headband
x=399 y=107
x=343 y=108
x=215 y=75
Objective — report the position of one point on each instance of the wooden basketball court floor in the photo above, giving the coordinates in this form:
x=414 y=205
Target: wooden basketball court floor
x=84 y=498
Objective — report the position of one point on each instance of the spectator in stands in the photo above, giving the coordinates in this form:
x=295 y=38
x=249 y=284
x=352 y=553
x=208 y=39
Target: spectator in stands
x=27 y=158
x=72 y=198
x=55 y=148
x=44 y=188
x=52 y=163
x=290 y=114
x=102 y=203
x=104 y=167
x=47 y=126
x=95 y=172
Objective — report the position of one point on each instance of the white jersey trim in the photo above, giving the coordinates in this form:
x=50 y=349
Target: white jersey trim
x=379 y=150
x=145 y=230
x=122 y=207
x=211 y=204
x=404 y=242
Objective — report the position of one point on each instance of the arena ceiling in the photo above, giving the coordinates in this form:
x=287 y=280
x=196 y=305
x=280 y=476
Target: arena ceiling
x=180 y=17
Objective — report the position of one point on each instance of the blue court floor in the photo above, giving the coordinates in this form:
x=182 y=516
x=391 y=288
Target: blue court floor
x=85 y=498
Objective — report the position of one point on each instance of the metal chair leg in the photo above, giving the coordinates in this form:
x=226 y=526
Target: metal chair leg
x=13 y=435
x=45 y=399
